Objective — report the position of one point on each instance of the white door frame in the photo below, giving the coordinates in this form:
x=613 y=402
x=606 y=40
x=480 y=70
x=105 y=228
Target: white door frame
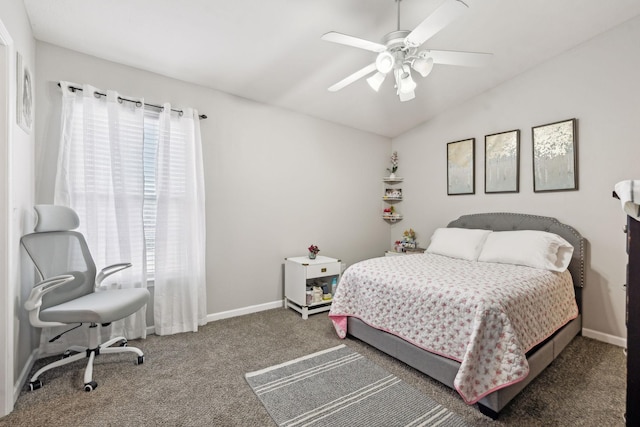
x=7 y=368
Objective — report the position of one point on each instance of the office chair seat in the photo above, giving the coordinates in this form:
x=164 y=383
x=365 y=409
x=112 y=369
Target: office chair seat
x=97 y=307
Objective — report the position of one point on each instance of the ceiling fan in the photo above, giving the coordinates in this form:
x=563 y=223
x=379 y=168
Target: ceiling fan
x=400 y=52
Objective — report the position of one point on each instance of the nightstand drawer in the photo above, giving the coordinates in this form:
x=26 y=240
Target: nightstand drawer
x=322 y=270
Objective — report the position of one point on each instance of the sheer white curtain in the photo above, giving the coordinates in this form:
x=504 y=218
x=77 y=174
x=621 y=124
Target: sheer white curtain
x=100 y=176
x=135 y=177
x=180 y=290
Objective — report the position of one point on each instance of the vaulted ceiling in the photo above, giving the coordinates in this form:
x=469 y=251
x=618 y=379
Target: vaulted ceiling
x=270 y=50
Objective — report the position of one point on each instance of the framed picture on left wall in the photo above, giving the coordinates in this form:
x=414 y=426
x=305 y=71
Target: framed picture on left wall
x=24 y=95
x=461 y=158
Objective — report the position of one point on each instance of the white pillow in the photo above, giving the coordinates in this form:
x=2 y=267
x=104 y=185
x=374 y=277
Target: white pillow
x=537 y=249
x=462 y=243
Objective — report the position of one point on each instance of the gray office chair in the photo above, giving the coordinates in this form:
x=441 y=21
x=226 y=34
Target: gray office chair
x=67 y=293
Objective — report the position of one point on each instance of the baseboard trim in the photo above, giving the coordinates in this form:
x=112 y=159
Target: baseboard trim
x=245 y=310
x=24 y=374
x=600 y=336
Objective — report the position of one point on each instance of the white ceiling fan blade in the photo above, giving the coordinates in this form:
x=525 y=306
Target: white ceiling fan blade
x=440 y=18
x=465 y=59
x=345 y=39
x=353 y=77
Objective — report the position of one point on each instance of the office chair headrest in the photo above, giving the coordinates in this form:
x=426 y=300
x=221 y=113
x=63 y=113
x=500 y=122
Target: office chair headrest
x=55 y=218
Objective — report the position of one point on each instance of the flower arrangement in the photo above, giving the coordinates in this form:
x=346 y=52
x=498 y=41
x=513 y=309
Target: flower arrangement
x=409 y=235
x=313 y=249
x=408 y=241
x=394 y=162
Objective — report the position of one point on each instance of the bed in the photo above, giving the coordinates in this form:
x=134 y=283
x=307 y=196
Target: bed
x=435 y=349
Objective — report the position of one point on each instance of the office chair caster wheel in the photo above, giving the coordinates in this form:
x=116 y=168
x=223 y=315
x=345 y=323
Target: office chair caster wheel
x=90 y=386
x=140 y=360
x=34 y=385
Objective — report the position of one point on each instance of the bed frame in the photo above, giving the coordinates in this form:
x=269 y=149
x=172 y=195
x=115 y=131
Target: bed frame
x=443 y=369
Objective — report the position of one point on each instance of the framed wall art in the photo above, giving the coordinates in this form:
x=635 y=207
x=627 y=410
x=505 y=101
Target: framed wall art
x=461 y=167
x=555 y=165
x=24 y=95
x=501 y=162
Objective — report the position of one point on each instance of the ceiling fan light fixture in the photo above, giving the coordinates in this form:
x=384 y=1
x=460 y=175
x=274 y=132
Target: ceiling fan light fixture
x=385 y=62
x=375 y=81
x=406 y=84
x=423 y=65
x=406 y=96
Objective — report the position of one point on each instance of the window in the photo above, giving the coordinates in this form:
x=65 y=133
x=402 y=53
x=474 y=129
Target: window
x=102 y=174
x=150 y=200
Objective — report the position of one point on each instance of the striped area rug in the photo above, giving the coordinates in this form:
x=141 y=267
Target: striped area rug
x=339 y=387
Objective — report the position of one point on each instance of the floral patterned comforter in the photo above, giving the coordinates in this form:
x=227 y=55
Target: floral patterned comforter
x=484 y=315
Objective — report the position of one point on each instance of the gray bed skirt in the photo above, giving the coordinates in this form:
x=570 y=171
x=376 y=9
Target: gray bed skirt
x=445 y=370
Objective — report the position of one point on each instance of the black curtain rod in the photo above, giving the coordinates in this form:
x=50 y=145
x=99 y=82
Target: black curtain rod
x=138 y=103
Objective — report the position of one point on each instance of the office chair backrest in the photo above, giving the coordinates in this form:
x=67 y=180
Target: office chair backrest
x=55 y=250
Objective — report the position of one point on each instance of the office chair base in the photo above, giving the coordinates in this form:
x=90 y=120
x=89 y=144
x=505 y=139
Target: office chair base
x=88 y=352
x=34 y=385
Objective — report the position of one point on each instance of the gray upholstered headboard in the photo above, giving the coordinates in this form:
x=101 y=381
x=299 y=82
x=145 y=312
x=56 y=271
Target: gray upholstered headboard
x=503 y=221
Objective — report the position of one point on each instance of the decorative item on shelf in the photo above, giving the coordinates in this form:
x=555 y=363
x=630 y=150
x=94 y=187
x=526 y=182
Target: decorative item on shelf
x=408 y=241
x=313 y=251
x=394 y=165
x=409 y=235
x=392 y=194
x=390 y=214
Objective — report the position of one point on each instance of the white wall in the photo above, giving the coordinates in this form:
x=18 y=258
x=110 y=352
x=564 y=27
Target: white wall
x=17 y=213
x=598 y=84
x=276 y=181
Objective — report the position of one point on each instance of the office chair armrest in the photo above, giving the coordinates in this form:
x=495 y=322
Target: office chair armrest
x=35 y=298
x=108 y=271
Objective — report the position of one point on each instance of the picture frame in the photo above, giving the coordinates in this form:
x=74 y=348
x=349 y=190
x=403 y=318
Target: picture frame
x=461 y=159
x=555 y=154
x=24 y=95
x=502 y=162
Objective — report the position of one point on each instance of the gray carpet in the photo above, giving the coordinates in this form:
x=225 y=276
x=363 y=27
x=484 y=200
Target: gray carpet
x=338 y=387
x=197 y=379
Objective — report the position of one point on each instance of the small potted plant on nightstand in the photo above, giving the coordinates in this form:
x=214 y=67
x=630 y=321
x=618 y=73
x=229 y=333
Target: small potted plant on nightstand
x=313 y=251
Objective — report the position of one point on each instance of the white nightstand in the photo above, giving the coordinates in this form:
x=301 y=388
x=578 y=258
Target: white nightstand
x=301 y=272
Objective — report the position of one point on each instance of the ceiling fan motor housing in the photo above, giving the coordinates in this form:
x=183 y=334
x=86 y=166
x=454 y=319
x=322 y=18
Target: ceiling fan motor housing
x=395 y=39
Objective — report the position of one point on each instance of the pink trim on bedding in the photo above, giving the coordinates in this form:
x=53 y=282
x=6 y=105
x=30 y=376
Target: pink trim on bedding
x=487 y=324
x=340 y=325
